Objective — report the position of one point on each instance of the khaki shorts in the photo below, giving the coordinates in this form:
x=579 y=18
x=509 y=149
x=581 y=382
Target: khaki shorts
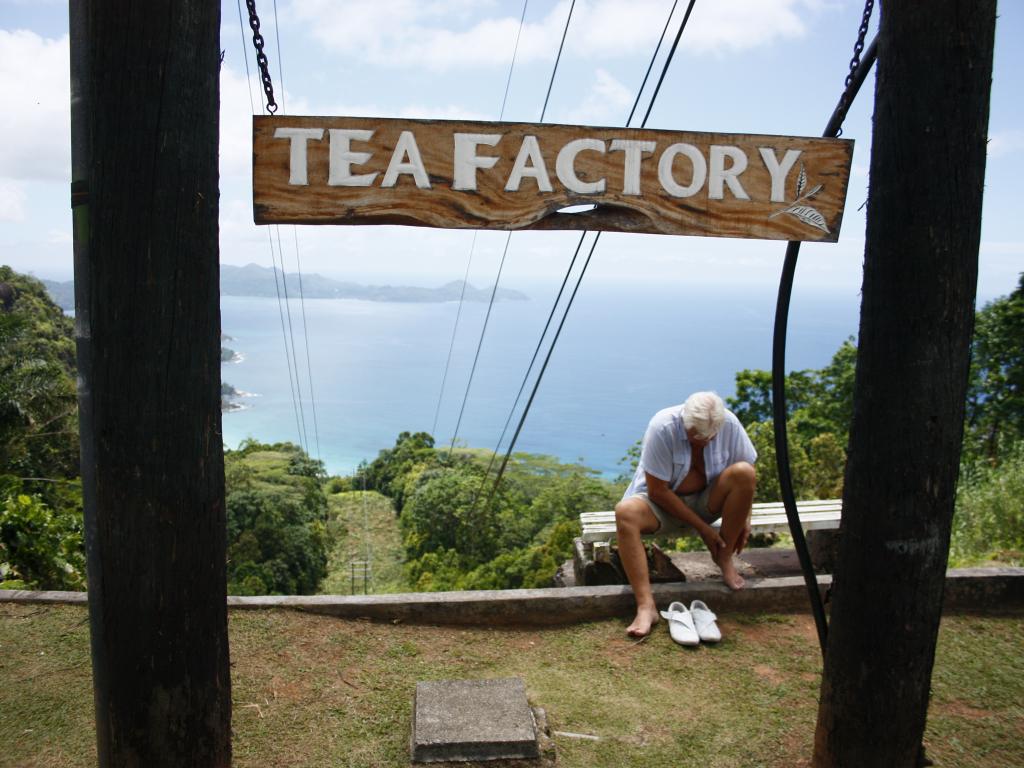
x=669 y=525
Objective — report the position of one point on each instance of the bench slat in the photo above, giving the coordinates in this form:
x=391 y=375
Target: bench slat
x=765 y=517
x=769 y=508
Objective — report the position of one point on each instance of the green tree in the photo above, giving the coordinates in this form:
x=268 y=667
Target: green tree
x=277 y=541
x=819 y=407
x=817 y=401
x=995 y=398
x=386 y=473
x=989 y=520
x=40 y=547
x=449 y=510
x=38 y=404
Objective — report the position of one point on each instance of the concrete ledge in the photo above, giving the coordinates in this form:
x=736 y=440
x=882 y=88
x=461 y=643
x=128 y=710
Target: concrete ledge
x=58 y=598
x=983 y=589
x=969 y=589
x=539 y=606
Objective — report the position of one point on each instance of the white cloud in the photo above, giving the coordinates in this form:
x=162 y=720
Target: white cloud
x=12 y=201
x=450 y=33
x=35 y=123
x=1002 y=143
x=413 y=33
x=236 y=119
x=605 y=102
x=235 y=124
x=741 y=24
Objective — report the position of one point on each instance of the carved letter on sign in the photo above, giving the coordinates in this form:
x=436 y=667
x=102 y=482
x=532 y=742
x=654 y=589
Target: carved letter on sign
x=443 y=173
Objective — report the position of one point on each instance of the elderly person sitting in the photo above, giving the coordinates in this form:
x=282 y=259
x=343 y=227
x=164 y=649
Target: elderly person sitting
x=696 y=465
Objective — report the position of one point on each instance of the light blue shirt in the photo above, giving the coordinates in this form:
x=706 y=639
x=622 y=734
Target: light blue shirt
x=666 y=452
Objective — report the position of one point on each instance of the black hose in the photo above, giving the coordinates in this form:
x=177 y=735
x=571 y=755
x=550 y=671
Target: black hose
x=779 y=369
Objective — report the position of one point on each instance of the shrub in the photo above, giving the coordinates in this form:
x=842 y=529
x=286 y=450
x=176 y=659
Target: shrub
x=989 y=518
x=40 y=547
x=277 y=540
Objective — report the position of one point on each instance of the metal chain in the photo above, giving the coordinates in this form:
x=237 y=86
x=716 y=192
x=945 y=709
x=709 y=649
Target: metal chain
x=261 y=57
x=858 y=49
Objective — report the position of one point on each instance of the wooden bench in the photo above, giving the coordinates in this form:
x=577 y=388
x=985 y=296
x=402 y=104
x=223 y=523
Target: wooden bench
x=766 y=518
x=599 y=527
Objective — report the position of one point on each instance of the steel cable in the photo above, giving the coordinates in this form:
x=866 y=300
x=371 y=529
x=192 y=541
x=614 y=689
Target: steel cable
x=572 y=263
x=508 y=239
x=469 y=261
x=579 y=280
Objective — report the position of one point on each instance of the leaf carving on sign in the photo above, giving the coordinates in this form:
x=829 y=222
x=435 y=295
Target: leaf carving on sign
x=799 y=209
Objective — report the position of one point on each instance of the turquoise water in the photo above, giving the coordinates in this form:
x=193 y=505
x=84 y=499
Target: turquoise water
x=623 y=354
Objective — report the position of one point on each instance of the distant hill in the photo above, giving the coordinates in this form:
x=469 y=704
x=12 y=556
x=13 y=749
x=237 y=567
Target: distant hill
x=254 y=280
x=63 y=294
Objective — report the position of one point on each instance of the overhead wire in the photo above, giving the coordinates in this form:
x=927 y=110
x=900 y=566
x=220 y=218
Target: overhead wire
x=298 y=273
x=305 y=336
x=291 y=336
x=512 y=65
x=455 y=328
x=289 y=357
x=558 y=58
x=298 y=265
x=501 y=266
x=284 y=335
x=579 y=280
x=472 y=246
x=245 y=58
x=554 y=72
x=572 y=262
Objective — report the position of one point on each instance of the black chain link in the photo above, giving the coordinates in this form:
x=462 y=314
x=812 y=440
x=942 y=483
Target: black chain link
x=858 y=49
x=261 y=57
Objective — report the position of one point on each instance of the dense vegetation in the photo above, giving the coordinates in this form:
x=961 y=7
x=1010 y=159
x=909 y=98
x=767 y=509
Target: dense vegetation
x=989 y=519
x=819 y=404
x=40 y=497
x=276 y=511
x=456 y=535
x=429 y=518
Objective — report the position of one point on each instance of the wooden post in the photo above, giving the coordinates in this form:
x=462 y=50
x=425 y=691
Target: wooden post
x=145 y=194
x=920 y=273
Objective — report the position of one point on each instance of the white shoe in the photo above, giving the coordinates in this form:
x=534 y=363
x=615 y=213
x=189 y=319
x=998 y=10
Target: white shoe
x=680 y=624
x=704 y=622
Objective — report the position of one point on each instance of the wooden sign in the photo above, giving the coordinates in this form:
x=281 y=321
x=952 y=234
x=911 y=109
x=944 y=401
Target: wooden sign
x=441 y=173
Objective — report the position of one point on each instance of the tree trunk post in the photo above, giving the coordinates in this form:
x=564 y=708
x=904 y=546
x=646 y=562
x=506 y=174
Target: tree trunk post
x=917 y=316
x=145 y=99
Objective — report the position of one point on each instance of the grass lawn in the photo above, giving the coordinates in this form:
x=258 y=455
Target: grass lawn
x=318 y=691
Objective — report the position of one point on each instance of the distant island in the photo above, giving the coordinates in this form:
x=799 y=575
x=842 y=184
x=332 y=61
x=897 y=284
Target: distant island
x=254 y=280
x=63 y=294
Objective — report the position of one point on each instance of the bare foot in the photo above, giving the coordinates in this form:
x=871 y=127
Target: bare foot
x=645 y=619
x=730 y=575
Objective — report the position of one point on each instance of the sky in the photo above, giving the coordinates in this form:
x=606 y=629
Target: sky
x=743 y=66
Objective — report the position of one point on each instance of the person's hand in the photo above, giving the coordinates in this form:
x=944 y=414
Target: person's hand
x=712 y=541
x=741 y=542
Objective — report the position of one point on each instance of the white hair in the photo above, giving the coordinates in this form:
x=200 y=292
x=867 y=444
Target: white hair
x=705 y=413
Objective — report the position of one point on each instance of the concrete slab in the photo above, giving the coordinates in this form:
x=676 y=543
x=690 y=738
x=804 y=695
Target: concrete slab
x=763 y=563
x=772 y=563
x=464 y=720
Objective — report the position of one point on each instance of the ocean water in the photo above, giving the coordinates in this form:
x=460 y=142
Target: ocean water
x=623 y=354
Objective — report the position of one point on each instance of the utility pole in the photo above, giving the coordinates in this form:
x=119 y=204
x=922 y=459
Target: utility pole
x=917 y=317
x=145 y=97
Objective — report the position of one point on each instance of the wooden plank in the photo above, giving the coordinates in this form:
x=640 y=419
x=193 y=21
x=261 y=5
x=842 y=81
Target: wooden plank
x=600 y=526
x=460 y=174
x=800 y=505
x=760 y=510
